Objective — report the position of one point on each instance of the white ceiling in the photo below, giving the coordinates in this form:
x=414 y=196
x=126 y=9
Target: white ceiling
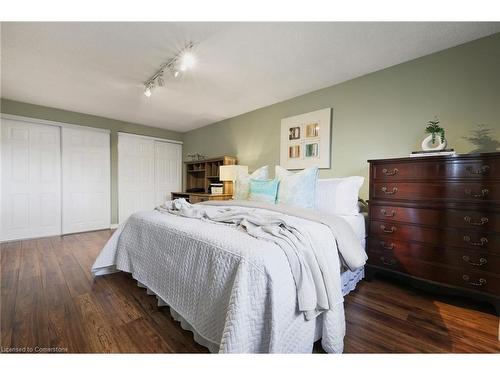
x=99 y=68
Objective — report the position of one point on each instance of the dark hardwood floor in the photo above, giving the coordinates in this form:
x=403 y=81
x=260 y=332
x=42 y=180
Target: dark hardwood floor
x=50 y=300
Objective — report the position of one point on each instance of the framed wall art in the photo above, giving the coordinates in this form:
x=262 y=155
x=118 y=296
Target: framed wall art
x=305 y=140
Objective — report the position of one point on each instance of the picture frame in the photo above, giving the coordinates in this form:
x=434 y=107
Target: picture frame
x=306 y=140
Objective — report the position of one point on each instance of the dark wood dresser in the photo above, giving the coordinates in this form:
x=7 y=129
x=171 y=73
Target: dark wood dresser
x=435 y=221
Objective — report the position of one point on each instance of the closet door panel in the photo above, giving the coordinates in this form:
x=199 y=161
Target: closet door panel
x=136 y=183
x=31 y=180
x=86 y=180
x=168 y=171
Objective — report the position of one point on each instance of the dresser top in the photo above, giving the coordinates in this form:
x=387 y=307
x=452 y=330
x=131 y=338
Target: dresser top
x=486 y=155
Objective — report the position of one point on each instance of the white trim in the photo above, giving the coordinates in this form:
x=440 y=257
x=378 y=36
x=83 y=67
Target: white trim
x=48 y=122
x=35 y=120
x=154 y=138
x=113 y=226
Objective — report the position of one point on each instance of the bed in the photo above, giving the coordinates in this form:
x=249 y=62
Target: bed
x=235 y=292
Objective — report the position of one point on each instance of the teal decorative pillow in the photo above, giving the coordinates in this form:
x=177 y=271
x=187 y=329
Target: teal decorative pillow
x=263 y=190
x=297 y=189
x=242 y=183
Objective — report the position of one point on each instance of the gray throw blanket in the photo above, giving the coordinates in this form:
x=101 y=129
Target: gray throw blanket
x=310 y=268
x=352 y=253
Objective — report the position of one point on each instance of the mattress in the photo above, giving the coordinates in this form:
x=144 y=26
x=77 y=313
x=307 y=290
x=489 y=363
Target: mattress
x=351 y=278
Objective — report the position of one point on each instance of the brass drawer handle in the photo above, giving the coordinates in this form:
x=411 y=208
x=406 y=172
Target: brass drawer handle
x=482 y=261
x=388 y=192
x=483 y=241
x=387 y=247
x=384 y=213
x=391 y=262
x=480 y=282
x=392 y=230
x=485 y=169
x=482 y=194
x=468 y=219
x=390 y=173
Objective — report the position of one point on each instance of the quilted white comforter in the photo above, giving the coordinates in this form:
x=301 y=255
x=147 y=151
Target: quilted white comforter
x=235 y=291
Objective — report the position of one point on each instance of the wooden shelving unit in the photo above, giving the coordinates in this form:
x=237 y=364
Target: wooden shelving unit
x=200 y=174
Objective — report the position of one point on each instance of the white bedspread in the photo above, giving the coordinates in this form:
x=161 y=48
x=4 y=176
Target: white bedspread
x=237 y=292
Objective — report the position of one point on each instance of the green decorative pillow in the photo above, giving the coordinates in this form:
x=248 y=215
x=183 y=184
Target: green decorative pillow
x=263 y=190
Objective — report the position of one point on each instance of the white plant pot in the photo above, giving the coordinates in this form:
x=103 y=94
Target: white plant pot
x=438 y=145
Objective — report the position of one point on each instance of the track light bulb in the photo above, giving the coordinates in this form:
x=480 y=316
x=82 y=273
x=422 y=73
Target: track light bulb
x=147 y=92
x=176 y=73
x=188 y=60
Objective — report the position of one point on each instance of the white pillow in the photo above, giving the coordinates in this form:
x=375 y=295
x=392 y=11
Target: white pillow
x=242 y=182
x=297 y=189
x=339 y=195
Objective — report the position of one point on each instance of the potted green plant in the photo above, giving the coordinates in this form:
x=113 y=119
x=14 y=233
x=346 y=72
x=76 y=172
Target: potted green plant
x=432 y=142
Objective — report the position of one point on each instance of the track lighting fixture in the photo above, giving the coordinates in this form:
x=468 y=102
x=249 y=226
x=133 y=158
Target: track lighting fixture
x=181 y=62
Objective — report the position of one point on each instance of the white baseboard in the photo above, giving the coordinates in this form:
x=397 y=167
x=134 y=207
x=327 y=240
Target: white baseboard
x=113 y=226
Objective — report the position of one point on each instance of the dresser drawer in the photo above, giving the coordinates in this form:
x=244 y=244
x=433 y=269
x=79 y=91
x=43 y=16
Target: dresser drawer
x=451 y=218
x=437 y=191
x=474 y=280
x=466 y=259
x=443 y=169
x=471 y=239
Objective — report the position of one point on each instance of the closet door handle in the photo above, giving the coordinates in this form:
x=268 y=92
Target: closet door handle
x=390 y=173
x=482 y=194
x=485 y=169
x=482 y=261
x=481 y=281
x=482 y=241
x=468 y=219
x=389 y=192
x=384 y=213
x=392 y=230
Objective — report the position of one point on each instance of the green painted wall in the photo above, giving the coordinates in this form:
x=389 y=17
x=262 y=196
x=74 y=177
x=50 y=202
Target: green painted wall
x=53 y=114
x=379 y=115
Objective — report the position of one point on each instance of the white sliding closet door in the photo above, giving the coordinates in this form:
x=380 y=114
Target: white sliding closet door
x=86 y=180
x=168 y=170
x=136 y=183
x=148 y=171
x=31 y=180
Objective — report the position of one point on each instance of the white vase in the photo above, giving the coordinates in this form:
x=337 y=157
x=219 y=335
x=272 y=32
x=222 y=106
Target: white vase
x=438 y=145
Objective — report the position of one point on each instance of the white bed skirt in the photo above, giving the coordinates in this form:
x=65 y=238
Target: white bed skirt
x=349 y=281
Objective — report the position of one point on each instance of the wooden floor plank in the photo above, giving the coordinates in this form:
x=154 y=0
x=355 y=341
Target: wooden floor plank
x=10 y=255
x=78 y=280
x=50 y=299
x=30 y=327
x=66 y=330
x=54 y=284
x=151 y=341
x=96 y=327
